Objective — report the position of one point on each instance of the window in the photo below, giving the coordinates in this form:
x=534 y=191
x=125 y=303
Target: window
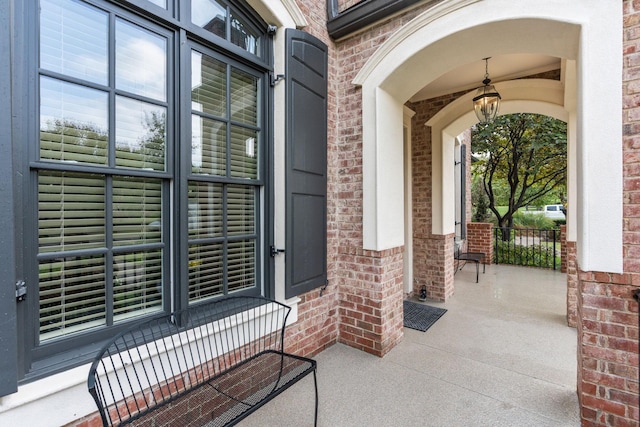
x=224 y=185
x=149 y=168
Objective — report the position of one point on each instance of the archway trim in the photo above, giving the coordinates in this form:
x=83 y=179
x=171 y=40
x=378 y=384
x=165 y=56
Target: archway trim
x=587 y=31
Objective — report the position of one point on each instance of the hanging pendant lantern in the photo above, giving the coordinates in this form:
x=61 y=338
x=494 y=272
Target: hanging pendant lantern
x=487 y=100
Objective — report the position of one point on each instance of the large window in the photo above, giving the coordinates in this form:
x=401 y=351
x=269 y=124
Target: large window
x=148 y=168
x=224 y=183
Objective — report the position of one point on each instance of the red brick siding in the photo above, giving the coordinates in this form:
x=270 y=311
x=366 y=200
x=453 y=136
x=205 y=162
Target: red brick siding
x=432 y=254
x=607 y=350
x=480 y=239
x=370 y=309
x=433 y=265
x=568 y=266
x=346 y=4
x=563 y=248
x=369 y=284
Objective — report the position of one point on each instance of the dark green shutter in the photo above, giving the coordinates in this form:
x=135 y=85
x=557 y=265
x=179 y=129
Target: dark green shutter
x=9 y=265
x=306 y=163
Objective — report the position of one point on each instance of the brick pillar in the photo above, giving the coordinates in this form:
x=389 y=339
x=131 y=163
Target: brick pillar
x=568 y=265
x=433 y=265
x=607 y=324
x=563 y=248
x=480 y=239
x=371 y=295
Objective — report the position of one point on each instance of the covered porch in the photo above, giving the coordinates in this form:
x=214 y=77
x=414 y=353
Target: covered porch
x=502 y=355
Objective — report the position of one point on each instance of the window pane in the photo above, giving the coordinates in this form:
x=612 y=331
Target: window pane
x=73 y=40
x=141 y=61
x=137 y=209
x=137 y=284
x=244 y=152
x=205 y=210
x=73 y=123
x=71 y=295
x=209 y=146
x=242 y=35
x=70 y=211
x=210 y=15
x=244 y=97
x=208 y=85
x=241 y=265
x=206 y=271
x=241 y=208
x=140 y=134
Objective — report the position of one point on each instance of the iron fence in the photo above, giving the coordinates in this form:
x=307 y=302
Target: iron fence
x=531 y=247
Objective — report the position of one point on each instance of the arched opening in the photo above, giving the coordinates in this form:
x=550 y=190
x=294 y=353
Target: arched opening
x=450 y=36
x=584 y=35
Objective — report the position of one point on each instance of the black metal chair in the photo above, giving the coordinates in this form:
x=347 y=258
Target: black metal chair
x=476 y=257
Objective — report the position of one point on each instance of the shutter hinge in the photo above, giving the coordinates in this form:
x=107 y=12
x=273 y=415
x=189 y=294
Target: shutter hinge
x=21 y=290
x=324 y=288
x=275 y=251
x=275 y=78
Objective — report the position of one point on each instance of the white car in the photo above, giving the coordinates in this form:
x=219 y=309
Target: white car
x=553 y=211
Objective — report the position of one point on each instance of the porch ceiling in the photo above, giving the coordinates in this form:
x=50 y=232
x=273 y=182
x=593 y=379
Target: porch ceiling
x=501 y=68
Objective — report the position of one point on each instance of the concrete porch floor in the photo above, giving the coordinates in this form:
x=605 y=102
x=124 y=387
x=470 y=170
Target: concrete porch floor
x=502 y=355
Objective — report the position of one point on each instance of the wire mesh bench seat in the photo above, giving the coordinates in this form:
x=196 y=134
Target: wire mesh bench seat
x=211 y=365
x=476 y=257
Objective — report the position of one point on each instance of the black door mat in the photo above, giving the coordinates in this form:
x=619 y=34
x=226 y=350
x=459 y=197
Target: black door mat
x=421 y=316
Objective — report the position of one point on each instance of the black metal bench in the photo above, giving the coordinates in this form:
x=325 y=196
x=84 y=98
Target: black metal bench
x=210 y=365
x=477 y=257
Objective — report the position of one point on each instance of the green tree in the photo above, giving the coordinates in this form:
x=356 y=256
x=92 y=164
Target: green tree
x=479 y=200
x=524 y=153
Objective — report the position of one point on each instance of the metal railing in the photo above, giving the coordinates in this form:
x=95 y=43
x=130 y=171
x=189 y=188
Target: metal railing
x=531 y=247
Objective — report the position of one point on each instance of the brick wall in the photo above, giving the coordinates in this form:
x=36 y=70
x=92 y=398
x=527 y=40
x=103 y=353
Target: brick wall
x=568 y=266
x=317 y=326
x=433 y=265
x=563 y=248
x=480 y=239
x=371 y=295
x=346 y=4
x=370 y=288
x=607 y=324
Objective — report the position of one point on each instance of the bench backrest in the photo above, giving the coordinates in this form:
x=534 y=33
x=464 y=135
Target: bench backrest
x=162 y=358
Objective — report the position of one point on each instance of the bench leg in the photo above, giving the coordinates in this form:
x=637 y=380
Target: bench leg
x=315 y=384
x=477 y=270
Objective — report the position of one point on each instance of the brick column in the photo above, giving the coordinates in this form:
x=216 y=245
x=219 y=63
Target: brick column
x=563 y=248
x=480 y=239
x=568 y=265
x=607 y=324
x=433 y=265
x=370 y=301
